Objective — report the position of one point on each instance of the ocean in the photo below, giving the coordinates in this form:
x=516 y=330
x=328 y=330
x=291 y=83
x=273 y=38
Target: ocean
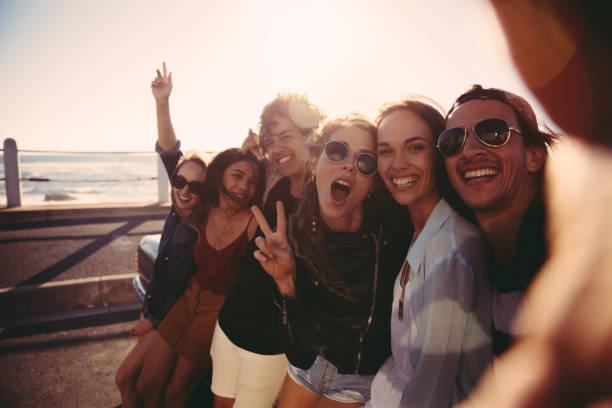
x=85 y=178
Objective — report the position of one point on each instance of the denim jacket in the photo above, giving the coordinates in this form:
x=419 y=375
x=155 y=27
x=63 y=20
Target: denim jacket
x=174 y=264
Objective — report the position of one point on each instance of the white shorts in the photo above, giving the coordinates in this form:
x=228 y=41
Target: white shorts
x=253 y=380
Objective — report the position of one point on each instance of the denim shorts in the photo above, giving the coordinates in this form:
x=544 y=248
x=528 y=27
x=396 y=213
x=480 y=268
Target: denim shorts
x=323 y=379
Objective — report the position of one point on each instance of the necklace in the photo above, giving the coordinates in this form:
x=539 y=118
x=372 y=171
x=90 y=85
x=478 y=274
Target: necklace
x=228 y=225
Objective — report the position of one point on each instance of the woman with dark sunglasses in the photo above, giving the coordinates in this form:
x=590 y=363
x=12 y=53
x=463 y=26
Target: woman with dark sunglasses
x=335 y=278
x=441 y=313
x=177 y=354
x=174 y=263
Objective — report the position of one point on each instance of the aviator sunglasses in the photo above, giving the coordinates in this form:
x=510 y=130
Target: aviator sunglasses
x=491 y=132
x=337 y=152
x=194 y=186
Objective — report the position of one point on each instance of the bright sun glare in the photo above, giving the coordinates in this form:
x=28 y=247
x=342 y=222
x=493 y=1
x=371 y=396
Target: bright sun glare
x=76 y=74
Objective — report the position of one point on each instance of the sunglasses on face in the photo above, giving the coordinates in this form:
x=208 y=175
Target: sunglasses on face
x=490 y=132
x=337 y=152
x=179 y=182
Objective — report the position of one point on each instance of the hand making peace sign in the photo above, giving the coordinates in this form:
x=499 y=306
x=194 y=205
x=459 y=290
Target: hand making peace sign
x=161 y=86
x=275 y=254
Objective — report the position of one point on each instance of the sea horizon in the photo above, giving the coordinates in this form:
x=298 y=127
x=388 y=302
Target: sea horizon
x=85 y=178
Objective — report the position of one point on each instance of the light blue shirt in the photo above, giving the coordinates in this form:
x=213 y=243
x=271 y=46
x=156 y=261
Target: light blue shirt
x=443 y=343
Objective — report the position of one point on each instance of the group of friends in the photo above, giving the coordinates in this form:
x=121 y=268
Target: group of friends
x=344 y=262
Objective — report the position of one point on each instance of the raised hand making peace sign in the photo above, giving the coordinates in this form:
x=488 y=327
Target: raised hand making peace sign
x=275 y=254
x=161 y=86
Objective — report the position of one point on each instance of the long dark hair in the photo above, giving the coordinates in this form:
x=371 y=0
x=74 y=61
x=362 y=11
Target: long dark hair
x=213 y=183
x=432 y=115
x=307 y=233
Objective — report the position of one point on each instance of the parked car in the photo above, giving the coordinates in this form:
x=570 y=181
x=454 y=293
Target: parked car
x=145 y=259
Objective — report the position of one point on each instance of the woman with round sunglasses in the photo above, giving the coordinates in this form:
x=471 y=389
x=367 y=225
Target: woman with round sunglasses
x=179 y=354
x=247 y=353
x=441 y=313
x=334 y=280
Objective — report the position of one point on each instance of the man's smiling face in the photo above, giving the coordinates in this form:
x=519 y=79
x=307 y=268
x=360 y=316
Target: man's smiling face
x=488 y=178
x=285 y=146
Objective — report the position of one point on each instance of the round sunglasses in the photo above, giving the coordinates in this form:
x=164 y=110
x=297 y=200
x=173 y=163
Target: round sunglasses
x=337 y=152
x=179 y=182
x=490 y=132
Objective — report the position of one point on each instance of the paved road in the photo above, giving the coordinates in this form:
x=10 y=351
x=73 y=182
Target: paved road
x=70 y=249
x=73 y=368
x=68 y=368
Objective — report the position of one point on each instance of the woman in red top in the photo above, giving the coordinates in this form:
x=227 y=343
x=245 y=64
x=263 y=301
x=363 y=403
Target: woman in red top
x=179 y=353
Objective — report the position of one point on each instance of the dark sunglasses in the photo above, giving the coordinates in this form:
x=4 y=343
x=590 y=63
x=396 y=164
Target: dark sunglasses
x=179 y=182
x=491 y=132
x=337 y=152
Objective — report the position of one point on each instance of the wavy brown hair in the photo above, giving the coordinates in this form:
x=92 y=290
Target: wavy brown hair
x=302 y=113
x=310 y=243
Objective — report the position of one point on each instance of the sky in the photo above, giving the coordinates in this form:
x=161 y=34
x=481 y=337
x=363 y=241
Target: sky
x=75 y=74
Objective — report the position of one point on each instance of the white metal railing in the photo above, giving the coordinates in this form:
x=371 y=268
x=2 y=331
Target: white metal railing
x=13 y=179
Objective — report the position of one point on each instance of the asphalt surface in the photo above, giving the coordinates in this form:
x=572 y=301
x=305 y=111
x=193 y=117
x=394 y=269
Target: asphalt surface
x=68 y=249
x=73 y=368
x=68 y=363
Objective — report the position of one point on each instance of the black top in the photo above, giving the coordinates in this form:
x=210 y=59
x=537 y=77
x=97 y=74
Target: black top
x=516 y=275
x=531 y=252
x=249 y=316
x=174 y=263
x=353 y=334
x=280 y=192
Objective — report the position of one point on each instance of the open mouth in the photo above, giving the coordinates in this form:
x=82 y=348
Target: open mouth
x=184 y=198
x=340 y=190
x=482 y=174
x=284 y=159
x=401 y=182
x=239 y=197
